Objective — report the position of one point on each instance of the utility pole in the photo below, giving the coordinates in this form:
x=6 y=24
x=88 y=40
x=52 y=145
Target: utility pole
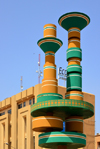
x=21 y=83
x=39 y=71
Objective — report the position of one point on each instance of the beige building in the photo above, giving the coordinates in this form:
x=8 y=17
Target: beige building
x=16 y=121
x=97 y=141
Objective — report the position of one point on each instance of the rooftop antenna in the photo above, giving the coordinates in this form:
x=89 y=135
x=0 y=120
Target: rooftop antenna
x=21 y=83
x=39 y=71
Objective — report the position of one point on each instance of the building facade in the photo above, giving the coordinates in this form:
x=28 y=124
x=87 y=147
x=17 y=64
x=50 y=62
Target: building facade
x=97 y=141
x=16 y=121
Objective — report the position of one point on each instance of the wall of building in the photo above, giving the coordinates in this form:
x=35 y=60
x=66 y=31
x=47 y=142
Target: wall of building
x=97 y=141
x=16 y=128
x=89 y=124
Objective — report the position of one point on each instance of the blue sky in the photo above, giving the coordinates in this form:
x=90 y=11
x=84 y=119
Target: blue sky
x=21 y=26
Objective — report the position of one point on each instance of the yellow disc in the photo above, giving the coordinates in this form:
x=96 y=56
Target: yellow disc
x=46 y=123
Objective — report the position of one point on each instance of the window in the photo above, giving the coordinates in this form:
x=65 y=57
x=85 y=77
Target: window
x=9 y=111
x=33 y=100
x=3 y=113
x=25 y=143
x=25 y=130
x=33 y=142
x=24 y=104
x=19 y=106
x=98 y=145
x=25 y=125
x=10 y=131
x=4 y=134
x=9 y=145
x=4 y=145
x=30 y=102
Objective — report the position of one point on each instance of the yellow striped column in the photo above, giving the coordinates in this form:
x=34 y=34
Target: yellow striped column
x=49 y=30
x=49 y=82
x=74 y=37
x=49 y=44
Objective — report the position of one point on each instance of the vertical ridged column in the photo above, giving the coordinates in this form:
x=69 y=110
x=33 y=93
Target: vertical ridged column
x=74 y=72
x=74 y=77
x=74 y=22
x=49 y=82
x=49 y=44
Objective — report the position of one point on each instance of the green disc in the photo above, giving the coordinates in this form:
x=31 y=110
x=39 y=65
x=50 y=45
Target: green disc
x=74 y=68
x=74 y=19
x=74 y=52
x=63 y=108
x=50 y=44
x=53 y=139
x=74 y=82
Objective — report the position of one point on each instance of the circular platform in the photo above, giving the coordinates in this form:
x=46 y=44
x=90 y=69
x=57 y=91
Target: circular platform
x=53 y=139
x=63 y=108
x=74 y=19
x=47 y=123
x=50 y=44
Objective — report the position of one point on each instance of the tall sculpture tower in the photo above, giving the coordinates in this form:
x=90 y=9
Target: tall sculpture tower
x=51 y=109
x=74 y=22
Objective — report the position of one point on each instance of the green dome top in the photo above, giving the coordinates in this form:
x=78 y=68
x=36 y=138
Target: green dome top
x=74 y=19
x=50 y=44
